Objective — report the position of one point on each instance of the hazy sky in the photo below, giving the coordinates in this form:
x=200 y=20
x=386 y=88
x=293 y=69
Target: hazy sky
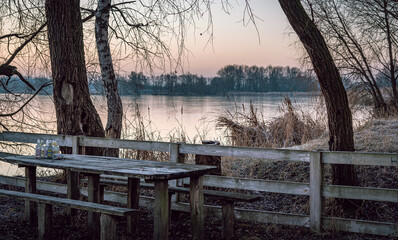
x=236 y=44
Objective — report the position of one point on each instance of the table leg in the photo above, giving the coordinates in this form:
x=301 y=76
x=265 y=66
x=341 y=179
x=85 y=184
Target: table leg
x=93 y=188
x=30 y=187
x=133 y=198
x=161 y=211
x=73 y=189
x=196 y=203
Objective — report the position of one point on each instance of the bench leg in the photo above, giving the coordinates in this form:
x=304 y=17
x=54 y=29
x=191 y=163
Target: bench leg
x=44 y=221
x=228 y=220
x=161 y=211
x=93 y=188
x=30 y=187
x=196 y=203
x=73 y=191
x=133 y=198
x=108 y=227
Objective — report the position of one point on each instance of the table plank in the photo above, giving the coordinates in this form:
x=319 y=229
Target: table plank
x=150 y=170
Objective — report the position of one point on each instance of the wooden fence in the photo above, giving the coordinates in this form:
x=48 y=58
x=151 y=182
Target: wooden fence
x=316 y=189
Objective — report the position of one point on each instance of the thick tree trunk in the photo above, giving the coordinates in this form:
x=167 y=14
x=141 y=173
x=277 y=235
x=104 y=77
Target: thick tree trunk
x=75 y=111
x=339 y=115
x=115 y=109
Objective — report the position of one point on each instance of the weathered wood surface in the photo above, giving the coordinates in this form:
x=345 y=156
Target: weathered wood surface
x=356 y=158
x=126 y=144
x=360 y=226
x=108 y=227
x=256 y=185
x=196 y=202
x=133 y=198
x=229 y=196
x=381 y=228
x=30 y=187
x=65 y=202
x=361 y=193
x=94 y=196
x=62 y=140
x=209 y=160
x=228 y=220
x=150 y=170
x=45 y=212
x=161 y=211
x=246 y=152
x=316 y=181
x=73 y=189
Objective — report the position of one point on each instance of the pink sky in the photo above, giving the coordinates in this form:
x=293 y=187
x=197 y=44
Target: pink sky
x=236 y=44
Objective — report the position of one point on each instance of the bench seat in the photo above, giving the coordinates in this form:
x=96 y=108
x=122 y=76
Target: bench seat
x=107 y=220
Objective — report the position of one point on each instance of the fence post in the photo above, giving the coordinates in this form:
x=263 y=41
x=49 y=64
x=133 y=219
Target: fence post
x=176 y=157
x=73 y=191
x=316 y=181
x=209 y=160
x=75 y=145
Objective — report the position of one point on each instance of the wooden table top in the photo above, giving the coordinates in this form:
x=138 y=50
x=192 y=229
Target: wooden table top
x=150 y=170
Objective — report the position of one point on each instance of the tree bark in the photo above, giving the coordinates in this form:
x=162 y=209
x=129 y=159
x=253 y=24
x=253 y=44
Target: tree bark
x=339 y=115
x=75 y=111
x=115 y=109
x=390 y=53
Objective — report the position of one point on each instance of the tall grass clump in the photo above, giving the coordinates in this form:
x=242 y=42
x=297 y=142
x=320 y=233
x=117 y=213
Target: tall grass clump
x=289 y=129
x=139 y=128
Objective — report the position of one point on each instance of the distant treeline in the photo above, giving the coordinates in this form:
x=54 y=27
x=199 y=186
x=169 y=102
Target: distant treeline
x=236 y=78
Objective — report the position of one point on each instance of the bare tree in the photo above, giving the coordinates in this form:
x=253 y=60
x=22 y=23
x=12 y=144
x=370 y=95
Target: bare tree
x=76 y=114
x=115 y=108
x=361 y=36
x=339 y=114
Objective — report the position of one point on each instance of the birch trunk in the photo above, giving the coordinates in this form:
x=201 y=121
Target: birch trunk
x=75 y=111
x=115 y=109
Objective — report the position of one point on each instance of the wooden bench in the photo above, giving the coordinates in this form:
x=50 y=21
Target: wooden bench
x=227 y=201
x=107 y=213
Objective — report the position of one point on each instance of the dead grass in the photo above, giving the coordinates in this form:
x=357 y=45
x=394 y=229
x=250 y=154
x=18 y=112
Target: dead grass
x=292 y=128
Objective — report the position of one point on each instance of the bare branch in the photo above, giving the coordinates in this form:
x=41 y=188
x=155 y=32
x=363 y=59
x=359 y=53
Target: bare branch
x=32 y=36
x=30 y=99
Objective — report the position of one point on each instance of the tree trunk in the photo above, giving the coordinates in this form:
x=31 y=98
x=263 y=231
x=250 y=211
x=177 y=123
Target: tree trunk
x=391 y=55
x=115 y=109
x=75 y=111
x=339 y=115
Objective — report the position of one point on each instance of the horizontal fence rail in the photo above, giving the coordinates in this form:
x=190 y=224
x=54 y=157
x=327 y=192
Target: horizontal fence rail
x=316 y=190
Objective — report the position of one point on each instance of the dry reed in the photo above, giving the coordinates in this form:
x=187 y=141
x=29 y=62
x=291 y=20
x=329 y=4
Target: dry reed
x=287 y=130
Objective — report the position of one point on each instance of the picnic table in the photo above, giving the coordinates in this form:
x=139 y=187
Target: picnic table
x=152 y=171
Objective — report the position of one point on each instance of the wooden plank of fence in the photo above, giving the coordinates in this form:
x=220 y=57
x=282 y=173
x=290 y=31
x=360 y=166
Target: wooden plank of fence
x=362 y=193
x=246 y=152
x=126 y=144
x=256 y=185
x=316 y=180
x=360 y=226
x=62 y=140
x=358 y=158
